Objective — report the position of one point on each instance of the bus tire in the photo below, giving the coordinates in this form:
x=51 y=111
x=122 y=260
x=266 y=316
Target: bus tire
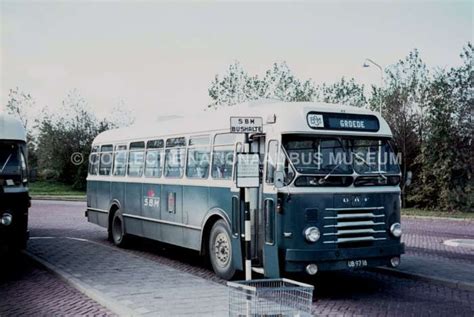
x=220 y=250
x=117 y=230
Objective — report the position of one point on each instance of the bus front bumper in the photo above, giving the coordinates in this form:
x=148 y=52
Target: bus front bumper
x=14 y=227
x=14 y=204
x=342 y=259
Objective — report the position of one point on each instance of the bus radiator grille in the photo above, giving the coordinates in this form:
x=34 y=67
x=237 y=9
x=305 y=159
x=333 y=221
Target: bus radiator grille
x=350 y=227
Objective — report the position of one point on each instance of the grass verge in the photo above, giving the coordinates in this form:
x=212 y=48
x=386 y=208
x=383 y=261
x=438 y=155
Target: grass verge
x=436 y=213
x=44 y=188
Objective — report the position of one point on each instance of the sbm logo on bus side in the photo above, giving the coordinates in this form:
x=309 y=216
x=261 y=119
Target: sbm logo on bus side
x=150 y=200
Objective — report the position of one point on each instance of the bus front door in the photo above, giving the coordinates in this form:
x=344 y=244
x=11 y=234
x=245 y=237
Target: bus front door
x=269 y=218
x=263 y=204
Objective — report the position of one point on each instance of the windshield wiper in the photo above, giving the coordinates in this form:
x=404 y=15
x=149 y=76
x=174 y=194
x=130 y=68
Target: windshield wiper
x=6 y=162
x=321 y=181
x=379 y=172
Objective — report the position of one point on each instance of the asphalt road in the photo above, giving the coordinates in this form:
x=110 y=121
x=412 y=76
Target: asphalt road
x=343 y=293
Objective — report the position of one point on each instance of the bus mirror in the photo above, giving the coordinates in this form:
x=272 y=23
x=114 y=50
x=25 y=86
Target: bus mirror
x=408 y=178
x=279 y=179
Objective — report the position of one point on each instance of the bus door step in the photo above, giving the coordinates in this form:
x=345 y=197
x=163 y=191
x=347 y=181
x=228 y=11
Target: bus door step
x=258 y=270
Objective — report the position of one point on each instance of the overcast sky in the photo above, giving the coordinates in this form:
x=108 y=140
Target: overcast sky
x=160 y=58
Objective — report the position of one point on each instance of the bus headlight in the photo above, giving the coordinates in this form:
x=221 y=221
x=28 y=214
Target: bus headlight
x=396 y=230
x=395 y=261
x=6 y=219
x=311 y=269
x=312 y=234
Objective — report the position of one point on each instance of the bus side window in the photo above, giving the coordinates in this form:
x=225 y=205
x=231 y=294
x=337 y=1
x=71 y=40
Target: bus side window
x=175 y=157
x=198 y=158
x=120 y=160
x=154 y=155
x=223 y=156
x=94 y=161
x=93 y=164
x=105 y=164
x=271 y=160
x=136 y=159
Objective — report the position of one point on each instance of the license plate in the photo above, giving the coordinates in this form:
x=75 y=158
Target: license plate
x=356 y=263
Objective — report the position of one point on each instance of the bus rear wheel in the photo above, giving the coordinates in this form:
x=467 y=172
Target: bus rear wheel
x=220 y=250
x=117 y=230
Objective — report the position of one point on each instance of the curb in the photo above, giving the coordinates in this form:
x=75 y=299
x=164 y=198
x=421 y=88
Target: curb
x=466 y=286
x=462 y=243
x=437 y=218
x=110 y=304
x=60 y=198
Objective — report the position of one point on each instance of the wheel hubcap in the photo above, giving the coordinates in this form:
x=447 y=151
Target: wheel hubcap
x=222 y=249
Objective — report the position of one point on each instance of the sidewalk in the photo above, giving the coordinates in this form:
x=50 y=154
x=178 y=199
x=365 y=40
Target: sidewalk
x=127 y=284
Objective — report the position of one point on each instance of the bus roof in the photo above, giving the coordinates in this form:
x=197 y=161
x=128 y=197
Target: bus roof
x=290 y=117
x=11 y=128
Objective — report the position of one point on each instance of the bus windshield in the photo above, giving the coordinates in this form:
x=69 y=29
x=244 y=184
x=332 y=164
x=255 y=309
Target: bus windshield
x=9 y=159
x=315 y=155
x=366 y=154
x=322 y=155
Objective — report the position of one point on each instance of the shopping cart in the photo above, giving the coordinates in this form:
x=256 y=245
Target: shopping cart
x=270 y=297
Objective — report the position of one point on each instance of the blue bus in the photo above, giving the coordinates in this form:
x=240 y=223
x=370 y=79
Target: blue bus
x=328 y=199
x=14 y=197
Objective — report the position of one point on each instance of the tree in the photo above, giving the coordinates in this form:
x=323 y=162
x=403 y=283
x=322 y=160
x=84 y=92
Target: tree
x=69 y=131
x=461 y=80
x=438 y=149
x=281 y=84
x=236 y=86
x=233 y=88
x=347 y=92
x=20 y=104
x=120 y=116
x=403 y=100
x=446 y=155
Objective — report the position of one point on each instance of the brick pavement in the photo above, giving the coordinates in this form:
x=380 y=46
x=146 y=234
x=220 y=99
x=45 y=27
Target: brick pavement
x=135 y=285
x=428 y=256
x=27 y=289
x=364 y=293
x=424 y=237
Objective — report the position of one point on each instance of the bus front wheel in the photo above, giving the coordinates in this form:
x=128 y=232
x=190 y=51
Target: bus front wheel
x=117 y=230
x=220 y=250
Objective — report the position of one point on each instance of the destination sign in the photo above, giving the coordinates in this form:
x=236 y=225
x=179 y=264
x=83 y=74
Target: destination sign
x=343 y=121
x=246 y=125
